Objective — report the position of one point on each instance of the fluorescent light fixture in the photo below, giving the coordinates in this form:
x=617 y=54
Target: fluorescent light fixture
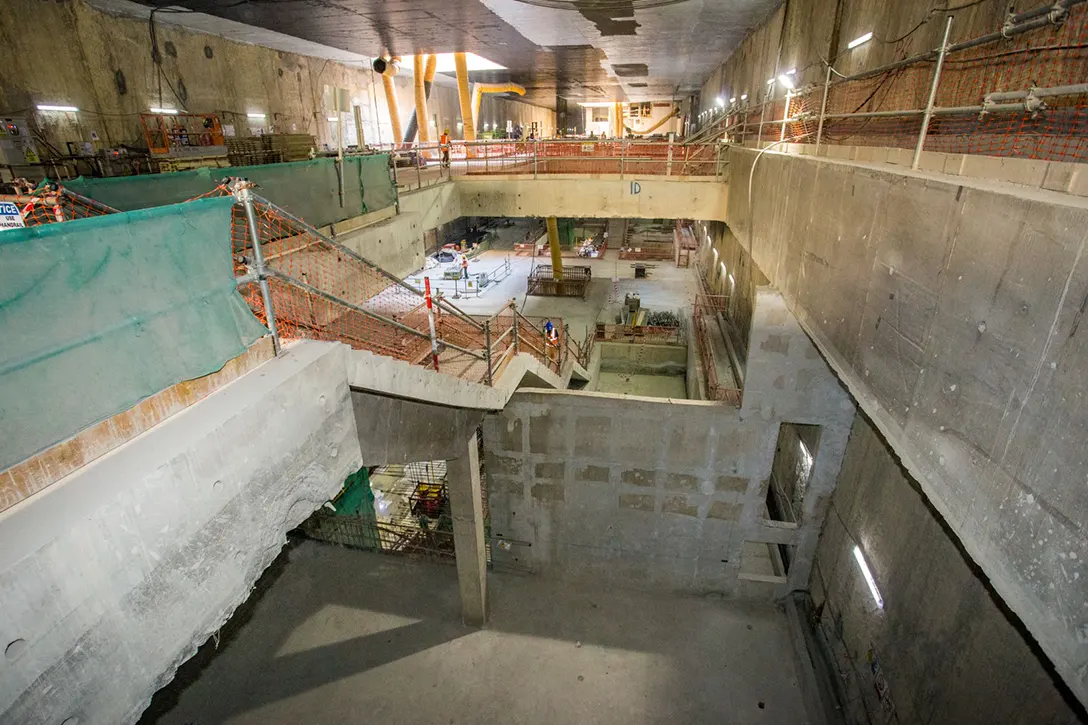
x=770 y=81
x=786 y=81
x=723 y=269
x=791 y=71
x=860 y=40
x=721 y=101
x=868 y=577
x=254 y=115
x=59 y=109
x=733 y=99
x=732 y=282
x=805 y=455
x=164 y=111
x=744 y=96
x=596 y=104
x=334 y=119
x=444 y=63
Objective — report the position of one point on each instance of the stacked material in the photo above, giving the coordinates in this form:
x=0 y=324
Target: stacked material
x=292 y=146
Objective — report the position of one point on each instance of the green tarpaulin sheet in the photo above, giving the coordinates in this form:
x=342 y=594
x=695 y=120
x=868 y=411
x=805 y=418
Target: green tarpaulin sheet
x=307 y=189
x=100 y=313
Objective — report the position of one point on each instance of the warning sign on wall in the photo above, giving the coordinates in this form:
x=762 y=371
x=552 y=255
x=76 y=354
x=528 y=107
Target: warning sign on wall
x=10 y=218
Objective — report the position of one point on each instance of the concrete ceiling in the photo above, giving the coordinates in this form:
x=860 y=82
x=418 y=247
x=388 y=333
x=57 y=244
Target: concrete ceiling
x=579 y=50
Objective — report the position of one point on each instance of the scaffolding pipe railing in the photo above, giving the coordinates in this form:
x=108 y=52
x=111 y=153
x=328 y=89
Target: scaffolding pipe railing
x=735 y=124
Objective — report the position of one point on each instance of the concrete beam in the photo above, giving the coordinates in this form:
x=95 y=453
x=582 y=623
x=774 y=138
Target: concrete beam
x=598 y=196
x=466 y=504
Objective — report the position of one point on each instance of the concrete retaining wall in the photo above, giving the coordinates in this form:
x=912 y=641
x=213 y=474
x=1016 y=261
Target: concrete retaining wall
x=949 y=652
x=113 y=576
x=952 y=309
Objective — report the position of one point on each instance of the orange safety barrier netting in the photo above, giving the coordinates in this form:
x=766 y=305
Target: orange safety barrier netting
x=323 y=291
x=965 y=120
x=52 y=204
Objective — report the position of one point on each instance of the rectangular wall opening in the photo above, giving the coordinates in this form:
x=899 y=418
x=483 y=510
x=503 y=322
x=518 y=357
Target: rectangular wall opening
x=791 y=473
x=763 y=562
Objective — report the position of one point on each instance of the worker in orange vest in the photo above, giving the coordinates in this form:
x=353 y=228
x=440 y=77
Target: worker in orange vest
x=444 y=145
x=464 y=266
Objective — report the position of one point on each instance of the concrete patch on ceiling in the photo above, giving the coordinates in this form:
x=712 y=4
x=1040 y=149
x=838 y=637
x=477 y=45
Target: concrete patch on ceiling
x=614 y=18
x=680 y=43
x=630 y=70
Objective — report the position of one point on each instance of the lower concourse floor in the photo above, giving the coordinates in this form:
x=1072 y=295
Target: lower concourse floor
x=333 y=636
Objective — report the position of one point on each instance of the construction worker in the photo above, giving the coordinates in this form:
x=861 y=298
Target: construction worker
x=444 y=145
x=464 y=266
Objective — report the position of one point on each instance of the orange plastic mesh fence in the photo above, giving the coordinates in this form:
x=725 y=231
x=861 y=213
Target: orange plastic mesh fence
x=56 y=205
x=323 y=291
x=1047 y=57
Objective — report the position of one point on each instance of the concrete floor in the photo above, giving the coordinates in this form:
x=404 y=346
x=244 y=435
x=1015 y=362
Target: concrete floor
x=343 y=636
x=667 y=288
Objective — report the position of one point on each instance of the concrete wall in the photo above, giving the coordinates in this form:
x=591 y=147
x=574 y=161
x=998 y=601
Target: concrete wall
x=592 y=196
x=113 y=576
x=623 y=357
x=801 y=32
x=951 y=308
x=659 y=493
x=947 y=648
x=67 y=53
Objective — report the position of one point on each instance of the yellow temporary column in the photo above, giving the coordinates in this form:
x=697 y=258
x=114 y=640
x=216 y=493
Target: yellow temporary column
x=553 y=244
x=465 y=96
x=394 y=107
x=420 y=77
x=617 y=125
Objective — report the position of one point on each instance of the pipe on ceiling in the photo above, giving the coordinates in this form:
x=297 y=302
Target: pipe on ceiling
x=672 y=114
x=461 y=64
x=479 y=89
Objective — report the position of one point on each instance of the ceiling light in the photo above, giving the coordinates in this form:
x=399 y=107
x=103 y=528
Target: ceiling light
x=733 y=99
x=59 y=109
x=860 y=40
x=770 y=81
x=444 y=63
x=786 y=81
x=744 y=97
x=596 y=104
x=334 y=119
x=165 y=111
x=868 y=577
x=791 y=71
x=254 y=115
x=720 y=101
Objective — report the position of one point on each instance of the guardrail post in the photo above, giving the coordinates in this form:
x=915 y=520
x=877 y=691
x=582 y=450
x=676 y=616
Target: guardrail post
x=623 y=155
x=487 y=349
x=932 y=95
x=246 y=197
x=823 y=109
x=419 y=172
x=668 y=164
x=536 y=156
x=515 y=325
x=430 y=319
x=785 y=116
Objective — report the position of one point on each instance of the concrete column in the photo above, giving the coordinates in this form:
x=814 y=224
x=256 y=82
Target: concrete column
x=466 y=506
x=553 y=244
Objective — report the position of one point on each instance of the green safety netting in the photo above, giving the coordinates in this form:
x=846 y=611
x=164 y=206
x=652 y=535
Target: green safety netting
x=307 y=189
x=100 y=313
